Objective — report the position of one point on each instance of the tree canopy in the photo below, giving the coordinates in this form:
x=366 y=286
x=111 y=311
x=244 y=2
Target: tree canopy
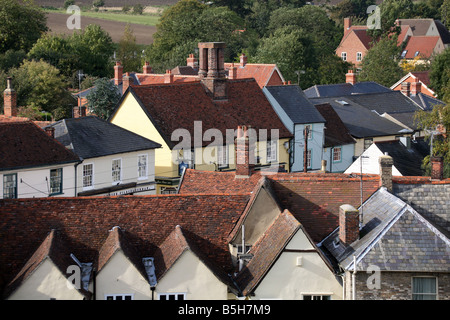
x=103 y=98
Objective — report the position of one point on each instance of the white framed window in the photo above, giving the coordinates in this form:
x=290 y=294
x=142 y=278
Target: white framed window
x=308 y=159
x=424 y=288
x=56 y=181
x=142 y=166
x=271 y=150
x=358 y=56
x=337 y=154
x=309 y=127
x=116 y=170
x=119 y=297
x=88 y=176
x=172 y=296
x=10 y=186
x=344 y=56
x=222 y=156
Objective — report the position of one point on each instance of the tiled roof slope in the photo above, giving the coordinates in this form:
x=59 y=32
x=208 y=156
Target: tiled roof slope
x=336 y=133
x=84 y=223
x=91 y=137
x=394 y=237
x=178 y=106
x=264 y=74
x=341 y=89
x=25 y=145
x=266 y=251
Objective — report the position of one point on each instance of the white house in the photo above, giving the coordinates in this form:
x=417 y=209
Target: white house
x=115 y=161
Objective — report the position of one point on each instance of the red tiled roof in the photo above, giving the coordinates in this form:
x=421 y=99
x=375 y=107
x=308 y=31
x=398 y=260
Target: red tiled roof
x=264 y=74
x=178 y=106
x=422 y=76
x=156 y=78
x=84 y=222
x=424 y=45
x=24 y=145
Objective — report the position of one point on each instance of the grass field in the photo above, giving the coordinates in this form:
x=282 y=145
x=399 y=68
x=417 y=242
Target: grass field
x=145 y=19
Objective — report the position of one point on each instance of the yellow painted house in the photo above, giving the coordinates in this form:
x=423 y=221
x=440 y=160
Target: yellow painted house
x=196 y=122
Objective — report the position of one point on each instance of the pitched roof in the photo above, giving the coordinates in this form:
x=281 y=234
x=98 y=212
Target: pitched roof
x=341 y=89
x=336 y=133
x=264 y=74
x=179 y=106
x=85 y=223
x=266 y=251
x=91 y=137
x=422 y=46
x=394 y=237
x=25 y=145
x=294 y=102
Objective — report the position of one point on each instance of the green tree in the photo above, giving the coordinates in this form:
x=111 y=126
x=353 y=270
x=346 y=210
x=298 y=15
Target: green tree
x=138 y=8
x=390 y=11
x=103 y=98
x=128 y=51
x=445 y=13
x=22 y=24
x=380 y=64
x=440 y=75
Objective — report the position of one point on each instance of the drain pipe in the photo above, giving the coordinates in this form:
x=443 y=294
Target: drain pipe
x=354 y=279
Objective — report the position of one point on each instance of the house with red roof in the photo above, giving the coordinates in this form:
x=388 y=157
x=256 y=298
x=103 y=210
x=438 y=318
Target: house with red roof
x=419 y=82
x=196 y=122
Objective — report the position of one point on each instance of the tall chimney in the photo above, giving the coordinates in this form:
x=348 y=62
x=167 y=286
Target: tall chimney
x=211 y=69
x=146 y=69
x=9 y=99
x=386 y=163
x=127 y=81
x=347 y=24
x=50 y=131
x=191 y=61
x=348 y=224
x=168 y=77
x=416 y=87
x=350 y=77
x=243 y=60
x=244 y=153
x=232 y=72
x=437 y=168
x=118 y=71
x=405 y=88
x=79 y=111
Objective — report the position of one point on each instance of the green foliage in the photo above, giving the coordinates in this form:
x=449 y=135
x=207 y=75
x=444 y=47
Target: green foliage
x=138 y=9
x=22 y=24
x=103 y=98
x=128 y=51
x=98 y=3
x=11 y=59
x=68 y=3
x=445 y=13
x=380 y=64
x=440 y=75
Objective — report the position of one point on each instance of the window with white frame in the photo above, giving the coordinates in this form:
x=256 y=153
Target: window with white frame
x=344 y=56
x=119 y=297
x=308 y=158
x=337 y=154
x=116 y=170
x=88 y=175
x=222 y=156
x=56 y=181
x=358 y=56
x=172 y=296
x=142 y=166
x=424 y=288
x=271 y=148
x=10 y=186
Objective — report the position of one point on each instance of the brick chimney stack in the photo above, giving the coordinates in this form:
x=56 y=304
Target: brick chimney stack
x=243 y=60
x=168 y=77
x=350 y=77
x=146 y=69
x=211 y=69
x=50 y=131
x=405 y=88
x=437 y=168
x=9 y=99
x=244 y=153
x=79 y=111
x=348 y=224
x=191 y=61
x=232 y=72
x=118 y=72
x=386 y=163
x=347 y=24
x=416 y=88
x=127 y=81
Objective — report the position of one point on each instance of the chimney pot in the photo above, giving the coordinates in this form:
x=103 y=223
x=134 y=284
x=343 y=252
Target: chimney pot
x=127 y=81
x=405 y=88
x=386 y=163
x=244 y=153
x=348 y=224
x=79 y=111
x=191 y=61
x=347 y=24
x=232 y=72
x=350 y=77
x=437 y=168
x=50 y=131
x=243 y=60
x=168 y=77
x=146 y=69
x=416 y=88
x=211 y=69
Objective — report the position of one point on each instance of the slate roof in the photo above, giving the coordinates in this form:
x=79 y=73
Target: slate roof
x=294 y=102
x=394 y=237
x=336 y=133
x=84 y=224
x=360 y=121
x=91 y=137
x=25 y=145
x=179 y=106
x=341 y=89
